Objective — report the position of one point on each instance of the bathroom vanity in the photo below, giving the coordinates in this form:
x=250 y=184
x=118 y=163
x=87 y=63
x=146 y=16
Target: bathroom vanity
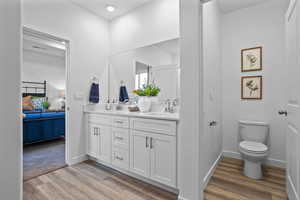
x=142 y=145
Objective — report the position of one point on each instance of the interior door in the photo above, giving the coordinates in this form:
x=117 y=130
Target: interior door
x=92 y=141
x=104 y=133
x=140 y=153
x=293 y=104
x=163 y=159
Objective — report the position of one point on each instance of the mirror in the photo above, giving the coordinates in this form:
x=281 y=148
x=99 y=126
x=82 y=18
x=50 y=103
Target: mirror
x=154 y=64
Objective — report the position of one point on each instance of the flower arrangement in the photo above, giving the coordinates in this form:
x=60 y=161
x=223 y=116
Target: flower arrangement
x=46 y=104
x=148 y=91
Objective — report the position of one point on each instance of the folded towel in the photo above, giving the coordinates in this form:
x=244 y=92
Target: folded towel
x=123 y=96
x=94 y=93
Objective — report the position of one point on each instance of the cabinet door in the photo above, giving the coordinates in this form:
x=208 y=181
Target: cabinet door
x=163 y=159
x=93 y=141
x=104 y=133
x=139 y=153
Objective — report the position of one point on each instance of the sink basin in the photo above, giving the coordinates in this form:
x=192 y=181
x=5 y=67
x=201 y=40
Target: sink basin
x=159 y=113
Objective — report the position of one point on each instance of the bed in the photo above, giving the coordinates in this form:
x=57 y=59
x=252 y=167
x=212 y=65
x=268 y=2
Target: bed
x=39 y=125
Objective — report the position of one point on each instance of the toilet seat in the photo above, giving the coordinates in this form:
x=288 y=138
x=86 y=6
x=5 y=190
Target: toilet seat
x=253 y=147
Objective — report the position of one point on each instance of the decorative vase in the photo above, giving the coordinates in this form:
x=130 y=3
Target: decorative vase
x=145 y=103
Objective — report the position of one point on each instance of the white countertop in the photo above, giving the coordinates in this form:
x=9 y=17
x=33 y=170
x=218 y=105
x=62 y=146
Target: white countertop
x=150 y=115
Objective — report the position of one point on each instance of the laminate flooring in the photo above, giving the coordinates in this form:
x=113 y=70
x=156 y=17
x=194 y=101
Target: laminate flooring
x=87 y=181
x=229 y=183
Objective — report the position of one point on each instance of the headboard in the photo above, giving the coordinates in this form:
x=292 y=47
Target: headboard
x=36 y=89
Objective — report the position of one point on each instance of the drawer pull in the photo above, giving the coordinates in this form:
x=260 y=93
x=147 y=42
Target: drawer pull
x=151 y=143
x=119 y=138
x=119 y=121
x=147 y=145
x=119 y=158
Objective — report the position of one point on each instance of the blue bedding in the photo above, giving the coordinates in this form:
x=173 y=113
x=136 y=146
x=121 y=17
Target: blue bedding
x=41 y=126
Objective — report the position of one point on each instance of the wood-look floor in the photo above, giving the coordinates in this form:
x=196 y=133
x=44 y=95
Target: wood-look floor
x=86 y=181
x=229 y=183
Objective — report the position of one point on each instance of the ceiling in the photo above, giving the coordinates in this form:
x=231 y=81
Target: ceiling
x=232 y=5
x=98 y=7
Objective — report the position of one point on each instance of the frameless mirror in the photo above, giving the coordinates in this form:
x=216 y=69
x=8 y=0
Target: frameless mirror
x=154 y=64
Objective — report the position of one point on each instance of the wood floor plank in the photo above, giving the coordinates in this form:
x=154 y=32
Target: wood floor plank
x=228 y=182
x=88 y=181
x=220 y=192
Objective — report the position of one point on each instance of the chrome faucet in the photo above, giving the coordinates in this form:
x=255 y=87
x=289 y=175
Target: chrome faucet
x=170 y=105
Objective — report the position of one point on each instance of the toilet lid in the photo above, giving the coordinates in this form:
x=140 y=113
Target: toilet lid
x=253 y=146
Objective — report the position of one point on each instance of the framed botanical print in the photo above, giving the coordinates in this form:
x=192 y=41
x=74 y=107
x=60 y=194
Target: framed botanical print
x=251 y=59
x=251 y=87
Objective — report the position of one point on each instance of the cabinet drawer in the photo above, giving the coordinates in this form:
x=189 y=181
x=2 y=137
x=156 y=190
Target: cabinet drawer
x=120 y=122
x=120 y=158
x=154 y=126
x=100 y=119
x=120 y=137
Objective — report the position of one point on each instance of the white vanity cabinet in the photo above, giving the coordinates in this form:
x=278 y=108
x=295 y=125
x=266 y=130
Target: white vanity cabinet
x=135 y=145
x=153 y=150
x=99 y=138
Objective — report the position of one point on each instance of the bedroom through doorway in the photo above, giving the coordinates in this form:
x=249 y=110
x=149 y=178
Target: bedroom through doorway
x=44 y=84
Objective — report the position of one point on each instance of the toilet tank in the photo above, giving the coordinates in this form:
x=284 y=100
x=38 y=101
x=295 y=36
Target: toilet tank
x=254 y=131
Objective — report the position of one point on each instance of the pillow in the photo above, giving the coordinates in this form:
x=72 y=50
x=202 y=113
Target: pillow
x=27 y=103
x=38 y=103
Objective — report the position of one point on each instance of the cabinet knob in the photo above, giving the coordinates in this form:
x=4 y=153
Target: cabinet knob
x=119 y=138
x=213 y=123
x=119 y=158
x=283 y=112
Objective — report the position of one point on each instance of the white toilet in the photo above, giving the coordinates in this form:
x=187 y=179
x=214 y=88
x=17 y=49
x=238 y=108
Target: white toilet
x=252 y=146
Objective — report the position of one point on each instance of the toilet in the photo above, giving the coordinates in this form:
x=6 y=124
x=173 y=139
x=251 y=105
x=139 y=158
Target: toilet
x=253 y=138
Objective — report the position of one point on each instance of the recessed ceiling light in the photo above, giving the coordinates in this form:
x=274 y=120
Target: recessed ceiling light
x=110 y=8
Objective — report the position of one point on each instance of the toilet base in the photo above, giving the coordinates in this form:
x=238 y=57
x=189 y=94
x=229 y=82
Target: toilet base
x=253 y=169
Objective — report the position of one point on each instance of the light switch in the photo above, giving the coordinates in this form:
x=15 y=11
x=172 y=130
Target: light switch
x=78 y=96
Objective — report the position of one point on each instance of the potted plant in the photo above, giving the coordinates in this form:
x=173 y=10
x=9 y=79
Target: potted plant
x=46 y=104
x=147 y=95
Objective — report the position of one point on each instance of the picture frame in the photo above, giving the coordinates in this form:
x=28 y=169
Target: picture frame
x=251 y=87
x=251 y=59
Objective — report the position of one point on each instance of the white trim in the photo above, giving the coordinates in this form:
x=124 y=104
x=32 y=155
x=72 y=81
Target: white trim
x=182 y=198
x=291 y=9
x=49 y=37
x=212 y=170
x=291 y=190
x=269 y=161
x=77 y=159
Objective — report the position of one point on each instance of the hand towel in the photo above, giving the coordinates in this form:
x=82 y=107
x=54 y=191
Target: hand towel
x=94 y=93
x=123 y=96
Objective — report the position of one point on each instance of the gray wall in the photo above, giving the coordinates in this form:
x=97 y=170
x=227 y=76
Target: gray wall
x=10 y=101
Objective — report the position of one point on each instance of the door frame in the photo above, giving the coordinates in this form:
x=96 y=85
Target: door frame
x=290 y=187
x=46 y=36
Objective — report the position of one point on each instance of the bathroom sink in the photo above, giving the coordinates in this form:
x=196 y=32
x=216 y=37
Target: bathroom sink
x=159 y=113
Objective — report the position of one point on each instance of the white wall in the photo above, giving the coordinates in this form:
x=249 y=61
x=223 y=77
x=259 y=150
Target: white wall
x=152 y=23
x=211 y=146
x=89 y=48
x=262 y=25
x=10 y=101
x=38 y=67
x=191 y=112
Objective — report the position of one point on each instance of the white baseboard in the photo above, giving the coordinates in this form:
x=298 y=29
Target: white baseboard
x=181 y=198
x=77 y=159
x=291 y=190
x=269 y=161
x=211 y=170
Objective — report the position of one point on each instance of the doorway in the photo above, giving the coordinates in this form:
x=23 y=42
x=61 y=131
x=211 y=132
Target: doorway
x=44 y=87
